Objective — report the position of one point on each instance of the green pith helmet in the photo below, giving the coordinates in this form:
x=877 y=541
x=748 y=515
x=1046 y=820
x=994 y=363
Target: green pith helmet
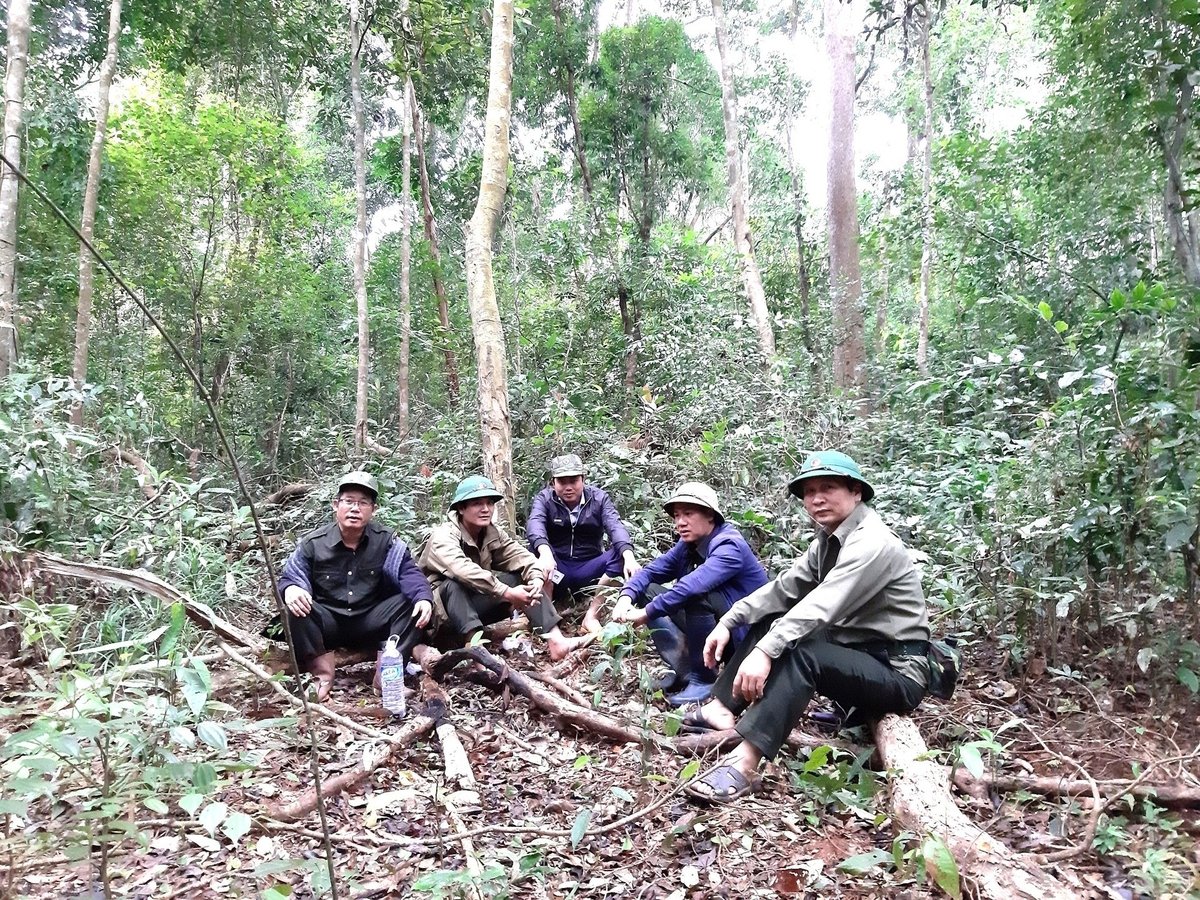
x=697 y=494
x=474 y=486
x=827 y=463
x=363 y=480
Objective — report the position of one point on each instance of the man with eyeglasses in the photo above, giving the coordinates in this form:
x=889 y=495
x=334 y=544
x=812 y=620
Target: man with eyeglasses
x=352 y=583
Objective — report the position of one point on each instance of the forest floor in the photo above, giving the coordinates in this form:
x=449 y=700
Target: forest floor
x=821 y=826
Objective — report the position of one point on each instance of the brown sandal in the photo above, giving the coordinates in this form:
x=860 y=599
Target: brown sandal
x=722 y=784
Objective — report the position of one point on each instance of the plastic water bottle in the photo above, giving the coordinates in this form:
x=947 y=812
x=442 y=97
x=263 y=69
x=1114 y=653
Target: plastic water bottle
x=391 y=677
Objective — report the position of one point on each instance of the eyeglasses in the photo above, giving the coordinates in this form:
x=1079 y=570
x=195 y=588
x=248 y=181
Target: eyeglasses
x=357 y=504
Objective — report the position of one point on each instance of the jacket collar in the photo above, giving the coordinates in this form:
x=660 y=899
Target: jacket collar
x=851 y=522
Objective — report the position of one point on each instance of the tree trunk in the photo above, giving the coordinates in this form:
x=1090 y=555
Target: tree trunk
x=403 y=396
x=358 y=240
x=567 y=85
x=490 y=354
x=14 y=92
x=439 y=287
x=1173 y=138
x=807 y=333
x=926 y=13
x=87 y=225
x=845 y=278
x=742 y=239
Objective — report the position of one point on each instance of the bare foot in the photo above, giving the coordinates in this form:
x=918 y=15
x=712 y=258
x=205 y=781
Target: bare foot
x=718 y=716
x=559 y=646
x=591 y=624
x=322 y=688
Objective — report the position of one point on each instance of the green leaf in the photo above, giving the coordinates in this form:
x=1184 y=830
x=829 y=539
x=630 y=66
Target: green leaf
x=621 y=794
x=204 y=776
x=154 y=804
x=1061 y=327
x=277 y=892
x=278 y=867
x=941 y=867
x=236 y=826
x=968 y=754
x=580 y=827
x=1178 y=535
x=1188 y=679
x=170 y=638
x=212 y=734
x=13 y=807
x=865 y=862
x=189 y=803
x=690 y=770
x=1045 y=310
x=213 y=815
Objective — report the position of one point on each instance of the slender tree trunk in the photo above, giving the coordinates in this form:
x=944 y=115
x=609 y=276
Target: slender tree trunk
x=87 y=225
x=403 y=396
x=845 y=278
x=567 y=84
x=804 y=279
x=14 y=94
x=358 y=240
x=742 y=239
x=439 y=287
x=923 y=287
x=490 y=354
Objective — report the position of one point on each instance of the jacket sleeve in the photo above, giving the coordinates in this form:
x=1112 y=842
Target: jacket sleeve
x=617 y=532
x=723 y=563
x=298 y=568
x=510 y=556
x=666 y=567
x=404 y=575
x=535 y=528
x=444 y=556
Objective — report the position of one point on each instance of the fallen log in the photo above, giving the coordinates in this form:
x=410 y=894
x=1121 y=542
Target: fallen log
x=709 y=741
x=374 y=756
x=139 y=465
x=544 y=699
x=287 y=493
x=564 y=689
x=1173 y=795
x=148 y=583
x=922 y=803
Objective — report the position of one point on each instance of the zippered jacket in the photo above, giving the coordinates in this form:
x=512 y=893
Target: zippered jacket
x=550 y=523
x=723 y=563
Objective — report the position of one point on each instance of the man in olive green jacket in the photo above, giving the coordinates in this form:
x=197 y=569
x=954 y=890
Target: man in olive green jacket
x=480 y=575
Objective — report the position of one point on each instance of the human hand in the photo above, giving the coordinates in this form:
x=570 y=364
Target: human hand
x=715 y=644
x=752 y=676
x=625 y=611
x=632 y=566
x=518 y=596
x=297 y=600
x=422 y=612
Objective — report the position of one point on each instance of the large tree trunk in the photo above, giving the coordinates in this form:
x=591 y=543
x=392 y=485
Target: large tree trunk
x=87 y=225
x=358 y=240
x=742 y=240
x=566 y=76
x=926 y=13
x=403 y=395
x=439 y=287
x=845 y=278
x=14 y=93
x=490 y=355
x=1173 y=133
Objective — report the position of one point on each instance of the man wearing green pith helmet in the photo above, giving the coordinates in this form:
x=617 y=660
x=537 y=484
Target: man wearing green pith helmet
x=480 y=574
x=847 y=620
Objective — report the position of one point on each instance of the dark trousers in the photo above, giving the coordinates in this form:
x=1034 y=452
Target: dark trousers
x=469 y=610
x=323 y=629
x=849 y=677
x=581 y=573
x=693 y=622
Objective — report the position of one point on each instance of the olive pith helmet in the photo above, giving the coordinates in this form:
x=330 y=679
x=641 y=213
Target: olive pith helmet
x=471 y=488
x=566 y=466
x=363 y=480
x=826 y=463
x=697 y=493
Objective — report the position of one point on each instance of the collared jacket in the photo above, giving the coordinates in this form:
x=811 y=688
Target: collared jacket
x=352 y=581
x=872 y=593
x=550 y=523
x=722 y=562
x=451 y=553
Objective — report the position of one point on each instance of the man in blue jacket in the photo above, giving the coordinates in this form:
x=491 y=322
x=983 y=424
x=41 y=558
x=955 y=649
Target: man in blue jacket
x=566 y=529
x=712 y=567
x=352 y=583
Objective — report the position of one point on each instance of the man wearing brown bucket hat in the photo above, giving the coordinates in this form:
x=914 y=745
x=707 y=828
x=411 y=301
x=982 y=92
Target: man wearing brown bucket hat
x=567 y=525
x=847 y=620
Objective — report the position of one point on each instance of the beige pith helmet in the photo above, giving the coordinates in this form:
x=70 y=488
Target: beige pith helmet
x=696 y=493
x=364 y=480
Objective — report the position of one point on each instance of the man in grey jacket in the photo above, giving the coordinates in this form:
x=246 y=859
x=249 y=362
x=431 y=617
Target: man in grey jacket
x=847 y=620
